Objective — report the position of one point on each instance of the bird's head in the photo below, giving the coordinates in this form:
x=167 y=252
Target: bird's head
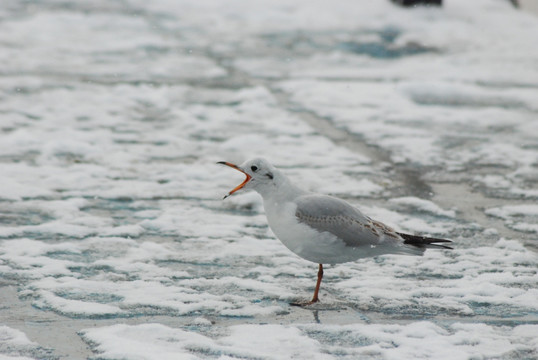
x=260 y=175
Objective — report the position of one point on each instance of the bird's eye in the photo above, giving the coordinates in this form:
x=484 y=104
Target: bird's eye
x=253 y=168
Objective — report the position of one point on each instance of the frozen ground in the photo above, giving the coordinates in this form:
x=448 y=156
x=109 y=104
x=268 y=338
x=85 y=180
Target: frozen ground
x=114 y=241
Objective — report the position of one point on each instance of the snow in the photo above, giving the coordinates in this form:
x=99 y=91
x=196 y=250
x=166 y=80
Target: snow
x=14 y=343
x=420 y=340
x=423 y=205
x=155 y=341
x=14 y=337
x=523 y=217
x=112 y=224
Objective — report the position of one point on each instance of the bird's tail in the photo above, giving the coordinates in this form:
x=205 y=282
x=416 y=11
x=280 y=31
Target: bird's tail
x=424 y=242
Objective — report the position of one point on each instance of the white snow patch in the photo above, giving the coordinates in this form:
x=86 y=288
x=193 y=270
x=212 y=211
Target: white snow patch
x=522 y=217
x=155 y=341
x=13 y=343
x=508 y=211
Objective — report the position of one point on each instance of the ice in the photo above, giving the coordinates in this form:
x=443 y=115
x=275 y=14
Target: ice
x=114 y=238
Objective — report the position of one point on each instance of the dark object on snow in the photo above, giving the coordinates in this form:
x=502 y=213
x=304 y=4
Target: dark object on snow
x=434 y=2
x=424 y=242
x=418 y=2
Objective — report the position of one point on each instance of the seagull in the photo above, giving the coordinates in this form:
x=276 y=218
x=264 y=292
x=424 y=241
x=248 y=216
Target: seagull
x=321 y=228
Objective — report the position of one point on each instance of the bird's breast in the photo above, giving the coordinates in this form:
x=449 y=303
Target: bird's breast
x=303 y=240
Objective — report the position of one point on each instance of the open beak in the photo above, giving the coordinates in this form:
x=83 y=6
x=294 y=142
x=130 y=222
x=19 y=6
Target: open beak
x=240 y=186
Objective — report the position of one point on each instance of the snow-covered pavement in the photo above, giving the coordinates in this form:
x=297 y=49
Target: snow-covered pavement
x=114 y=240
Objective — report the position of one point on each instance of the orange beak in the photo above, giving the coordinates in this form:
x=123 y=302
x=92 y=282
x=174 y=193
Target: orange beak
x=240 y=186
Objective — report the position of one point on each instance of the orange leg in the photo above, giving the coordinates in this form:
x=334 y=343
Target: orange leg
x=318 y=283
x=315 y=299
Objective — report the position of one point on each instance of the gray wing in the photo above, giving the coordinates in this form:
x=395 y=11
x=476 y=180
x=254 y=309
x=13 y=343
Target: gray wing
x=335 y=216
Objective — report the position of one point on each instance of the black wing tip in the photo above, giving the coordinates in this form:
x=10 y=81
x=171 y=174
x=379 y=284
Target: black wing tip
x=442 y=246
x=423 y=241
